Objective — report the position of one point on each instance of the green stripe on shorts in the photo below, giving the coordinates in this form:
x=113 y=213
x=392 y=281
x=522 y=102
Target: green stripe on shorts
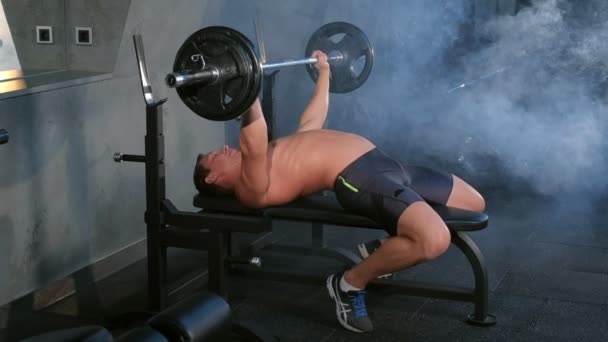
x=346 y=184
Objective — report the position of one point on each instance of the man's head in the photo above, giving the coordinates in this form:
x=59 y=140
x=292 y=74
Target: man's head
x=217 y=171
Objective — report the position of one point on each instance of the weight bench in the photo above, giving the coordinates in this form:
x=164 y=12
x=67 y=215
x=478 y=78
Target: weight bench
x=325 y=209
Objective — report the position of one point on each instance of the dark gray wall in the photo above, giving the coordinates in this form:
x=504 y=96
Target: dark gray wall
x=23 y=16
x=106 y=18
x=63 y=202
x=488 y=9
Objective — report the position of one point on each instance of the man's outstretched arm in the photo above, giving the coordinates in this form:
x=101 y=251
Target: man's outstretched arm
x=253 y=141
x=315 y=113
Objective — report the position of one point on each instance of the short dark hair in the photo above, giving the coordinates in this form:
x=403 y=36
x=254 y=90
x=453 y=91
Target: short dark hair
x=200 y=173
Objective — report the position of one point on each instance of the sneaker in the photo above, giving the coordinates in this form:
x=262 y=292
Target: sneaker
x=350 y=306
x=366 y=249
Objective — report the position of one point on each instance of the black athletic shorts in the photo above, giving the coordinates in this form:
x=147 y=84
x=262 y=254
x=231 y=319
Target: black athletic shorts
x=381 y=188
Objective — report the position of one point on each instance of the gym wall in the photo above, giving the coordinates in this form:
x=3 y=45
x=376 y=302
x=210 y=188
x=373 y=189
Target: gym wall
x=64 y=203
x=23 y=16
x=106 y=19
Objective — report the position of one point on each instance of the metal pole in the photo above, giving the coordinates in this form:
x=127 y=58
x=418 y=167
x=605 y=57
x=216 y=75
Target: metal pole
x=306 y=61
x=210 y=75
x=177 y=79
x=279 y=65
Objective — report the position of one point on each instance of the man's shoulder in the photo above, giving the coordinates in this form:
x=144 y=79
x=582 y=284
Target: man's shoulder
x=250 y=195
x=249 y=198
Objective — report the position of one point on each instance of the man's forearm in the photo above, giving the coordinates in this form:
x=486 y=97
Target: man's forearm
x=316 y=110
x=253 y=137
x=253 y=114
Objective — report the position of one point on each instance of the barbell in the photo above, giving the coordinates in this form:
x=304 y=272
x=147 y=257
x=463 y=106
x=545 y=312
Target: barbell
x=218 y=74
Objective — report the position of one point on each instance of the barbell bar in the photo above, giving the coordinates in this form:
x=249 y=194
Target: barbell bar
x=210 y=75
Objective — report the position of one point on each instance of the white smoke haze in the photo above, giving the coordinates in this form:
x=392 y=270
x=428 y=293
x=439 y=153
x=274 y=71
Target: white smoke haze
x=544 y=115
x=531 y=111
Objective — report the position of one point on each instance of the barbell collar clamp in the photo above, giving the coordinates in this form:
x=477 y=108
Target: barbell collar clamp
x=179 y=79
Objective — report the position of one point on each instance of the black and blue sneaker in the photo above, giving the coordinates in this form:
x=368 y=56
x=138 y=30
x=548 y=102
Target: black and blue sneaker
x=350 y=306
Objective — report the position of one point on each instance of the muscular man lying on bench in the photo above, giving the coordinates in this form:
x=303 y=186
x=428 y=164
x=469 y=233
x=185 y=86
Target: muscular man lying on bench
x=365 y=180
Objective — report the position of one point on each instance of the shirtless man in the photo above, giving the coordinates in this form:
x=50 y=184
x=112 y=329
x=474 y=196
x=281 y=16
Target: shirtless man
x=364 y=179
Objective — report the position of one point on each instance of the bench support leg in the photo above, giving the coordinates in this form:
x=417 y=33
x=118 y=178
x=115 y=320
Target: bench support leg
x=473 y=254
x=157 y=275
x=218 y=268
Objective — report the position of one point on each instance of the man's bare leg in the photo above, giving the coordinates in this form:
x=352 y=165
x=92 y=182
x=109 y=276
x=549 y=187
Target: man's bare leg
x=462 y=196
x=421 y=235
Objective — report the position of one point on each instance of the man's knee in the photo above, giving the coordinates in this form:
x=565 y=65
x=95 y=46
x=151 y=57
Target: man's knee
x=421 y=224
x=431 y=243
x=434 y=243
x=478 y=203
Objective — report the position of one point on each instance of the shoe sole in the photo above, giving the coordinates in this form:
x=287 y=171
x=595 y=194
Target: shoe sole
x=363 y=254
x=333 y=295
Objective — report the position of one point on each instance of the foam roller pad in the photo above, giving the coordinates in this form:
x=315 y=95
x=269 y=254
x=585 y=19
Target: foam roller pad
x=202 y=317
x=88 y=333
x=142 y=334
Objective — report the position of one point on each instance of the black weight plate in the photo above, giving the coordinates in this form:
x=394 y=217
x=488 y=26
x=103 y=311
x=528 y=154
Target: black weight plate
x=356 y=50
x=232 y=54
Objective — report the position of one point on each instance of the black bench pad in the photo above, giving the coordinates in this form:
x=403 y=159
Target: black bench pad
x=327 y=210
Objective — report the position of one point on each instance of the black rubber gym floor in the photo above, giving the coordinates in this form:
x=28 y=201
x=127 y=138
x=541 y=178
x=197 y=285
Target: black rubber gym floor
x=548 y=273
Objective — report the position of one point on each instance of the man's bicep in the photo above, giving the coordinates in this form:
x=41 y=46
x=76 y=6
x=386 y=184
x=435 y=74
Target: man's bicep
x=310 y=125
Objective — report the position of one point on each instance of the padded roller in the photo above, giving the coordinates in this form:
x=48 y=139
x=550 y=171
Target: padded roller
x=203 y=317
x=142 y=334
x=91 y=333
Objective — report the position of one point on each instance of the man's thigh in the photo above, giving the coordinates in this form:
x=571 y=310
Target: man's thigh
x=432 y=185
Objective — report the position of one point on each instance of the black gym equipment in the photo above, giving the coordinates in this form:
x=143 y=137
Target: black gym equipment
x=218 y=74
x=204 y=317
x=201 y=317
x=91 y=333
x=4 y=137
x=325 y=209
x=212 y=228
x=169 y=227
x=225 y=75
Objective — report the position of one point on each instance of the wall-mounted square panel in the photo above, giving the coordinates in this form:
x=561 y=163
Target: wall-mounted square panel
x=84 y=35
x=44 y=34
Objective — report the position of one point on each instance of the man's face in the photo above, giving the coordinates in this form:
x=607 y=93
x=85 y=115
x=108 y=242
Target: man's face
x=220 y=161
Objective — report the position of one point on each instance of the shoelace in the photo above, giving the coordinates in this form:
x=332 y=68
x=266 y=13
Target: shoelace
x=358 y=302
